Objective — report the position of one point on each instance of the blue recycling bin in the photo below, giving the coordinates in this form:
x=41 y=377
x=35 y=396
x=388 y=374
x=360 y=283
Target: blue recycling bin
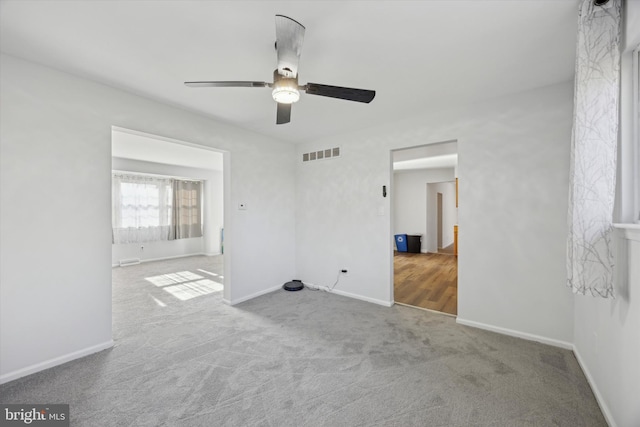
x=401 y=242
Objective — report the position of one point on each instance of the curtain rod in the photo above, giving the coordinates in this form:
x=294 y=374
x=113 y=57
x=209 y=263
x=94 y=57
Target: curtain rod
x=181 y=178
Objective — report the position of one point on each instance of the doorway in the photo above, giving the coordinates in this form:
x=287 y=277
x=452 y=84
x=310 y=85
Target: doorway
x=176 y=169
x=427 y=279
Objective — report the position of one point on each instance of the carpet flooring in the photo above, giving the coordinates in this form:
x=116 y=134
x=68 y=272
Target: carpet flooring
x=184 y=358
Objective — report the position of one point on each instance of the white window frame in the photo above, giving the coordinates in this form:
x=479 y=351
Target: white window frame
x=636 y=133
x=629 y=162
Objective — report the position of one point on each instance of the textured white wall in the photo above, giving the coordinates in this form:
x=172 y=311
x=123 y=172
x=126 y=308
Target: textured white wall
x=513 y=157
x=607 y=343
x=213 y=204
x=410 y=200
x=55 y=238
x=607 y=337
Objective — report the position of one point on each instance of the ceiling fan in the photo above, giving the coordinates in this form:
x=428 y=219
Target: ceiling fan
x=289 y=37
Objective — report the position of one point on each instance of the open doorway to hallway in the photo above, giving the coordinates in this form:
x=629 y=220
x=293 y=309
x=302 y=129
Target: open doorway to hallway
x=167 y=212
x=424 y=202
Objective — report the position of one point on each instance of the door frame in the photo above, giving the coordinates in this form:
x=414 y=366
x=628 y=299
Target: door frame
x=226 y=196
x=391 y=223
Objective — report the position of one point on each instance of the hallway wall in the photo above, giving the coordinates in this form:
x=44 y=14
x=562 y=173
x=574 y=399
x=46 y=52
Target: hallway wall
x=409 y=194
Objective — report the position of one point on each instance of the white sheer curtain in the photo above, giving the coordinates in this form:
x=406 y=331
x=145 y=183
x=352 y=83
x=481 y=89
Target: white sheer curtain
x=142 y=208
x=187 y=216
x=594 y=149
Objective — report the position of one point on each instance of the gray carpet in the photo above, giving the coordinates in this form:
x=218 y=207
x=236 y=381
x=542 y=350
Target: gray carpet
x=301 y=359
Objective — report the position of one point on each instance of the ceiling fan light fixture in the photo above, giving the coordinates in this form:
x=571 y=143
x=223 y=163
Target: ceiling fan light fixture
x=285 y=91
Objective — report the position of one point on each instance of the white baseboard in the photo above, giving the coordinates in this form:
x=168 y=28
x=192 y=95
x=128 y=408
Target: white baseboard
x=254 y=295
x=603 y=406
x=349 y=295
x=169 y=257
x=441 y=313
x=363 y=298
x=524 y=335
x=54 y=362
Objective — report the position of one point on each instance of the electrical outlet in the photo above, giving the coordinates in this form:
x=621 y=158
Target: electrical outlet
x=242 y=206
x=141 y=248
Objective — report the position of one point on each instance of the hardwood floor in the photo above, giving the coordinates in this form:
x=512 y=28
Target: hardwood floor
x=426 y=280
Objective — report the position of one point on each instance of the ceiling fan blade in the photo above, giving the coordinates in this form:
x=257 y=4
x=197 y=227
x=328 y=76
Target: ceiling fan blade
x=227 y=84
x=289 y=38
x=284 y=113
x=347 y=93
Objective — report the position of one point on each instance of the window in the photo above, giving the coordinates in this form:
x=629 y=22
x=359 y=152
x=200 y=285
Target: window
x=149 y=208
x=145 y=204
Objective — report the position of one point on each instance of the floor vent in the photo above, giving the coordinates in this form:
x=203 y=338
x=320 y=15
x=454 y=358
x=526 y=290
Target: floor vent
x=128 y=262
x=328 y=153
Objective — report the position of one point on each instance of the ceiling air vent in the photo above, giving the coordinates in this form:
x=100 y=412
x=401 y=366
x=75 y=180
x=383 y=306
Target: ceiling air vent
x=327 y=153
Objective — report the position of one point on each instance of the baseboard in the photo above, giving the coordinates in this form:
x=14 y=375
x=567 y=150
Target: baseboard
x=349 y=295
x=596 y=392
x=172 y=257
x=517 y=334
x=254 y=295
x=54 y=362
x=169 y=257
x=425 y=309
x=363 y=298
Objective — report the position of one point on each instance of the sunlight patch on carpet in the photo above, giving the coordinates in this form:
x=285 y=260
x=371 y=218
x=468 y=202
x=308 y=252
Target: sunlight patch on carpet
x=185 y=285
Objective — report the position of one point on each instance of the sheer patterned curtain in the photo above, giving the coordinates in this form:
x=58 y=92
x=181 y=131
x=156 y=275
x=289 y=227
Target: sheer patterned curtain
x=187 y=215
x=594 y=149
x=142 y=208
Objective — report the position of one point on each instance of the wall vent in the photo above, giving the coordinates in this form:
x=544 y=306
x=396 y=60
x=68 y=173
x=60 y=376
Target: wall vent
x=328 y=153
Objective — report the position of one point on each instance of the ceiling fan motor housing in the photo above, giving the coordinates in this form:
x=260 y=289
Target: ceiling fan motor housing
x=285 y=89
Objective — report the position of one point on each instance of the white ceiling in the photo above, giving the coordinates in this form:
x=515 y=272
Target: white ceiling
x=132 y=145
x=417 y=55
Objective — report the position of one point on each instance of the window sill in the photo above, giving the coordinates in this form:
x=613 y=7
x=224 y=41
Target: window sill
x=629 y=231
